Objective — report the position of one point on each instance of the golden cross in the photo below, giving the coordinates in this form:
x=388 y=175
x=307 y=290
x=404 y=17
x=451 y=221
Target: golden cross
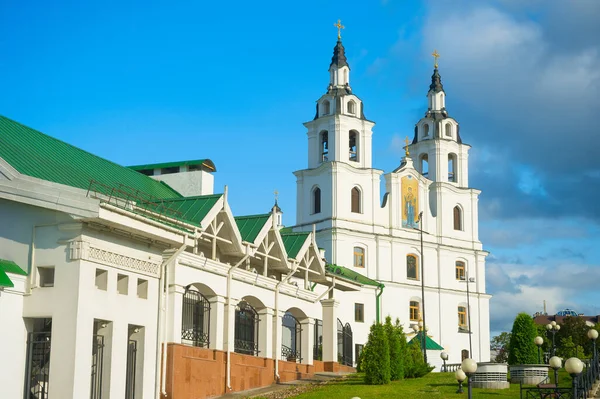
x=340 y=27
x=406 y=141
x=276 y=194
x=435 y=57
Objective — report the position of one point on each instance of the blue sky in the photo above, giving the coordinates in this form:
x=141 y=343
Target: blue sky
x=140 y=82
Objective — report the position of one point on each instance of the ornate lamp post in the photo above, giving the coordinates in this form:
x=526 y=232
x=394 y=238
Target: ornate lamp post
x=539 y=341
x=553 y=328
x=593 y=335
x=444 y=357
x=469 y=366
x=460 y=377
x=556 y=363
x=574 y=367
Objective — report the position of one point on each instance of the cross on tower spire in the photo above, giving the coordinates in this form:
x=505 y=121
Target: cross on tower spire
x=339 y=27
x=435 y=58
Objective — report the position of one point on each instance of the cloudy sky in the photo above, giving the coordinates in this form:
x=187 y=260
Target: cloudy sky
x=152 y=81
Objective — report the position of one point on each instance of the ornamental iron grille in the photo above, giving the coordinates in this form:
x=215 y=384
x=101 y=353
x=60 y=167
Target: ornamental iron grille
x=195 y=321
x=97 y=363
x=318 y=346
x=348 y=347
x=291 y=349
x=340 y=341
x=131 y=369
x=246 y=329
x=38 y=360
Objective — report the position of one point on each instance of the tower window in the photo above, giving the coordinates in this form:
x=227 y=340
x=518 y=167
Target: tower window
x=452 y=167
x=353 y=137
x=414 y=311
x=326 y=107
x=448 y=129
x=324 y=146
x=351 y=107
x=424 y=164
x=359 y=257
x=316 y=197
x=458 y=225
x=355 y=200
x=462 y=316
x=460 y=270
x=425 y=130
x=412 y=269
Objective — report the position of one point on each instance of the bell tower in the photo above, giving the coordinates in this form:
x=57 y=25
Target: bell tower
x=437 y=150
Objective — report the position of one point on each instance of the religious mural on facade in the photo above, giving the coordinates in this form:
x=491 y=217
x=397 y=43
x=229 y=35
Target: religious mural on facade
x=410 y=201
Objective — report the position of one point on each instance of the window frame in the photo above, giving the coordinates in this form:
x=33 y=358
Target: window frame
x=416 y=267
x=359 y=255
x=458 y=265
x=314 y=201
x=457 y=217
x=356 y=199
x=416 y=309
x=464 y=323
x=359 y=312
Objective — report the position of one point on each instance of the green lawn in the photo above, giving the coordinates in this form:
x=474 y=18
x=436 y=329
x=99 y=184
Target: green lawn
x=433 y=385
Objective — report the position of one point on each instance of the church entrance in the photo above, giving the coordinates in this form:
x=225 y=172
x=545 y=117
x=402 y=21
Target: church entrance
x=344 y=333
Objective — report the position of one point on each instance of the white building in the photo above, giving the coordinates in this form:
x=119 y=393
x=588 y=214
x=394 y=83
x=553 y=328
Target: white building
x=140 y=283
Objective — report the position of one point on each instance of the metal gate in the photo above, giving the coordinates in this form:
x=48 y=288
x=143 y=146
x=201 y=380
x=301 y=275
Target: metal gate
x=344 y=342
x=131 y=367
x=195 y=319
x=38 y=365
x=318 y=346
x=291 y=349
x=340 y=341
x=97 y=362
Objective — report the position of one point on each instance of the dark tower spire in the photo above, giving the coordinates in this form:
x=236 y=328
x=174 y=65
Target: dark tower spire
x=436 y=82
x=339 y=55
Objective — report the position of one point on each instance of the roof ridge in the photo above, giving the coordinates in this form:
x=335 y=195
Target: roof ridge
x=191 y=198
x=252 y=216
x=295 y=233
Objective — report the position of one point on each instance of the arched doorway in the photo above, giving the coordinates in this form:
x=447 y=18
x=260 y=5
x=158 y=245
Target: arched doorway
x=246 y=329
x=291 y=338
x=195 y=320
x=344 y=333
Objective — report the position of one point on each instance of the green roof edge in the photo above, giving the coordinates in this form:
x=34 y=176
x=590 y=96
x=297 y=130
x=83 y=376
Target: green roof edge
x=430 y=344
x=11 y=267
x=205 y=162
x=5 y=281
x=351 y=275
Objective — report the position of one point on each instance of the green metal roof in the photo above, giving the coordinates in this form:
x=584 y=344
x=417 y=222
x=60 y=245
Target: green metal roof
x=349 y=274
x=7 y=266
x=35 y=154
x=293 y=242
x=207 y=163
x=429 y=343
x=192 y=209
x=249 y=226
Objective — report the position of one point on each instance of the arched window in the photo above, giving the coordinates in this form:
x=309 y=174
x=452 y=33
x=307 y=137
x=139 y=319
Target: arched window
x=452 y=167
x=326 y=107
x=246 y=329
x=412 y=267
x=316 y=200
x=425 y=130
x=462 y=317
x=458 y=225
x=324 y=146
x=424 y=164
x=353 y=141
x=359 y=257
x=351 y=107
x=415 y=310
x=355 y=200
x=448 y=129
x=460 y=270
x=345 y=76
x=195 y=318
x=290 y=338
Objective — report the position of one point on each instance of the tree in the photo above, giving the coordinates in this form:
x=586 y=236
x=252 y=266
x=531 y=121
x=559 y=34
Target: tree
x=522 y=349
x=568 y=348
x=376 y=360
x=500 y=344
x=396 y=369
x=404 y=358
x=576 y=329
x=417 y=367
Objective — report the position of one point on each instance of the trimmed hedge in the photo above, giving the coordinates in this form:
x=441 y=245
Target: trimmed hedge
x=522 y=349
x=376 y=359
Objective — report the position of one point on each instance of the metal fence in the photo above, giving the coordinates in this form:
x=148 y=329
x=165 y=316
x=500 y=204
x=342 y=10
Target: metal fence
x=97 y=364
x=38 y=365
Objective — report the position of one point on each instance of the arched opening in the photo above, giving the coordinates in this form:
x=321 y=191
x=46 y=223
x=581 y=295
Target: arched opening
x=324 y=146
x=359 y=257
x=344 y=341
x=425 y=130
x=424 y=164
x=316 y=200
x=326 y=109
x=246 y=329
x=448 y=129
x=452 y=167
x=345 y=76
x=414 y=310
x=460 y=270
x=195 y=320
x=462 y=318
x=318 y=340
x=351 y=107
x=458 y=224
x=353 y=145
x=355 y=200
x=291 y=338
x=412 y=267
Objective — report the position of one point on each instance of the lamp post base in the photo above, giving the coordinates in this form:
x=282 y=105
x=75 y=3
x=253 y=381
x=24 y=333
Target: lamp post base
x=460 y=388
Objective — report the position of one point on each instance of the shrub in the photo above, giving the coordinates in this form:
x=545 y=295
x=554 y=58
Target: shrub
x=404 y=357
x=522 y=349
x=396 y=371
x=376 y=359
x=417 y=367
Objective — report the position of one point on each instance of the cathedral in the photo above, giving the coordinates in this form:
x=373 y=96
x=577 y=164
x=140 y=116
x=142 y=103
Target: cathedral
x=142 y=282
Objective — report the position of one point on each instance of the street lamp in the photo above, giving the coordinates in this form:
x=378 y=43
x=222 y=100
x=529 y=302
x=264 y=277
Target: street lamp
x=468 y=280
x=444 y=357
x=539 y=341
x=593 y=335
x=420 y=221
x=553 y=328
x=469 y=366
x=574 y=367
x=460 y=377
x=556 y=363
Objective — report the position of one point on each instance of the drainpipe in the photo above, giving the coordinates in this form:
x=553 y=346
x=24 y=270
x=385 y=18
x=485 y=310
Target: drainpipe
x=229 y=277
x=381 y=287
x=161 y=362
x=277 y=315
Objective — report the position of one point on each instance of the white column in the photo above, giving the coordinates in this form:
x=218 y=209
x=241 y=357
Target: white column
x=277 y=331
x=330 y=330
x=175 y=298
x=118 y=367
x=217 y=322
x=307 y=339
x=265 y=333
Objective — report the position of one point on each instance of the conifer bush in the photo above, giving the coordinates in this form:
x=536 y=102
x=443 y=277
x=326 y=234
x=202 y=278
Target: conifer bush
x=376 y=359
x=404 y=356
x=416 y=367
x=394 y=345
x=522 y=349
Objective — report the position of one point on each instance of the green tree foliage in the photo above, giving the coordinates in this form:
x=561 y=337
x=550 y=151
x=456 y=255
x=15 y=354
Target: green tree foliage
x=576 y=329
x=500 y=344
x=568 y=348
x=417 y=367
x=404 y=356
x=522 y=349
x=376 y=360
x=396 y=369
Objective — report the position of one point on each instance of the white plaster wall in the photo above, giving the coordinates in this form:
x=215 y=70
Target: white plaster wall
x=190 y=184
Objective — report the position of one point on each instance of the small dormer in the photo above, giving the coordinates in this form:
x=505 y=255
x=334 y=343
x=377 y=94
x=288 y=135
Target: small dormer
x=189 y=178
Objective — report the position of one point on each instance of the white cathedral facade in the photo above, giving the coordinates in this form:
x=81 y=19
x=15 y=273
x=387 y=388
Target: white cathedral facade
x=141 y=282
